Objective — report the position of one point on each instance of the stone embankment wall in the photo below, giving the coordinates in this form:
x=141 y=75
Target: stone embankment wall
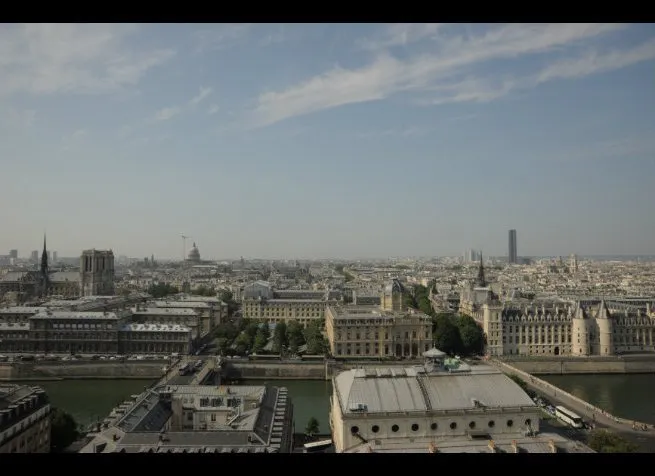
x=279 y=370
x=549 y=389
x=296 y=370
x=82 y=370
x=592 y=365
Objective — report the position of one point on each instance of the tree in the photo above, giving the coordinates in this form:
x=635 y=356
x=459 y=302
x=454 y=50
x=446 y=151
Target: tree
x=162 y=290
x=312 y=428
x=204 y=291
x=242 y=343
x=260 y=341
x=604 y=441
x=471 y=335
x=316 y=342
x=279 y=337
x=63 y=430
x=294 y=336
x=251 y=331
x=446 y=334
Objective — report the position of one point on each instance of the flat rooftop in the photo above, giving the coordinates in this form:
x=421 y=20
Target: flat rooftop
x=412 y=389
x=76 y=315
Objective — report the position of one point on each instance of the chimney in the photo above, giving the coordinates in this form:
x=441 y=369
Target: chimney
x=551 y=445
x=515 y=446
x=492 y=446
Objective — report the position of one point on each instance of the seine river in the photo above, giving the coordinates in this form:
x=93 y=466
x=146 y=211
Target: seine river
x=628 y=396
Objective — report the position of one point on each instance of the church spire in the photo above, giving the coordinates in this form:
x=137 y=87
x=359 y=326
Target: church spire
x=44 y=268
x=481 y=281
x=44 y=257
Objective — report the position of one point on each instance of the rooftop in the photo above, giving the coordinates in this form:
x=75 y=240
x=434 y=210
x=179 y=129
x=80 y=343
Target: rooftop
x=543 y=443
x=75 y=315
x=399 y=390
x=165 y=310
x=371 y=312
x=154 y=328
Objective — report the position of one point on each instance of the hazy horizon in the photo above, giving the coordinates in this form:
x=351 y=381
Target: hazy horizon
x=327 y=140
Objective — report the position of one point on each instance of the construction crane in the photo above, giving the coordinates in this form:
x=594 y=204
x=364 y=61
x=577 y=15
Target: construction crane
x=184 y=238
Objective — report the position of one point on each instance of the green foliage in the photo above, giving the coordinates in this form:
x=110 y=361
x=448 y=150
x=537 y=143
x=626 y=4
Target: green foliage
x=312 y=427
x=457 y=334
x=421 y=299
x=471 y=335
x=204 y=291
x=316 y=343
x=162 y=290
x=242 y=343
x=604 y=441
x=63 y=430
x=446 y=334
x=279 y=338
x=260 y=341
x=349 y=277
x=227 y=297
x=295 y=336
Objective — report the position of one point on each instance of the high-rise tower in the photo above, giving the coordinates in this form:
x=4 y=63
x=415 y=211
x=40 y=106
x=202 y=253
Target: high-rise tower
x=512 y=257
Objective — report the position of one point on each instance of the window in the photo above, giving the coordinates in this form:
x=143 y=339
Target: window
x=415 y=427
x=453 y=426
x=375 y=428
x=395 y=428
x=510 y=423
x=492 y=423
x=434 y=426
x=354 y=430
x=472 y=425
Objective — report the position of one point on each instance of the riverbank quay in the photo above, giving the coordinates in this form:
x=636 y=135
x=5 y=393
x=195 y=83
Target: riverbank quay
x=645 y=439
x=567 y=365
x=295 y=369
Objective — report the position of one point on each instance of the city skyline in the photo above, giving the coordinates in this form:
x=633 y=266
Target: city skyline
x=327 y=140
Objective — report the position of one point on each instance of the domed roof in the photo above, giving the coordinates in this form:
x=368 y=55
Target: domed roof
x=194 y=254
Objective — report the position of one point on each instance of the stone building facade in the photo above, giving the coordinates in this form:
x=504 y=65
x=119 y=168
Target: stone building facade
x=24 y=419
x=388 y=330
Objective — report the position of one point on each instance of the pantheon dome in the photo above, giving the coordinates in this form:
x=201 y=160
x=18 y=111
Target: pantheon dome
x=194 y=254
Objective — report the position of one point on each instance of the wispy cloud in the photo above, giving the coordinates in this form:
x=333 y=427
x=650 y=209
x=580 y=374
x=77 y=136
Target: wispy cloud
x=201 y=96
x=167 y=113
x=170 y=112
x=213 y=109
x=440 y=71
x=487 y=89
x=72 y=58
x=402 y=34
x=220 y=36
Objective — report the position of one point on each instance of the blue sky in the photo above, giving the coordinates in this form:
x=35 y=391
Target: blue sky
x=328 y=140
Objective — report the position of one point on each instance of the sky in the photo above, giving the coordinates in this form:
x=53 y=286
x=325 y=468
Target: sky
x=327 y=140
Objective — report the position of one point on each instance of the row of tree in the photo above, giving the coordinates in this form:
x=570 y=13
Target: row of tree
x=161 y=290
x=247 y=337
